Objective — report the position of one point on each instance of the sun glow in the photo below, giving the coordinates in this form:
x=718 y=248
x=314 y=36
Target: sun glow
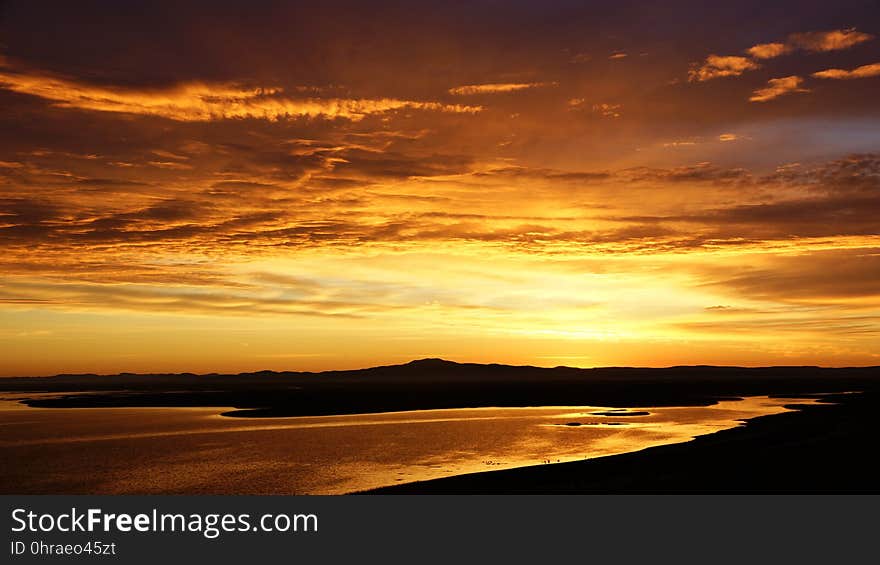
x=364 y=198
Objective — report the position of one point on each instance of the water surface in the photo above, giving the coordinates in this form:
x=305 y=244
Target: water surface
x=198 y=451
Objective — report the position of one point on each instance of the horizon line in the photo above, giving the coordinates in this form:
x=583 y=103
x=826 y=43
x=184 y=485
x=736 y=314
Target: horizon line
x=441 y=360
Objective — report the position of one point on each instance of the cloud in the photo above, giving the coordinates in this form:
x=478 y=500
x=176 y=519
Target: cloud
x=27 y=211
x=495 y=88
x=259 y=195
x=802 y=218
x=853 y=174
x=865 y=71
x=701 y=172
x=717 y=66
x=842 y=325
x=686 y=143
x=777 y=87
x=833 y=40
x=608 y=110
x=387 y=164
x=834 y=200
x=768 y=50
x=815 y=41
x=541 y=173
x=199 y=102
x=818 y=276
x=169 y=165
x=618 y=55
x=204 y=299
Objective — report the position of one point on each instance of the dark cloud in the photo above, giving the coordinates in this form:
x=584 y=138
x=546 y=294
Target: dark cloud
x=799 y=218
x=239 y=186
x=27 y=211
x=835 y=327
x=544 y=173
x=703 y=172
x=839 y=198
x=836 y=199
x=858 y=173
x=815 y=277
x=110 y=183
x=383 y=164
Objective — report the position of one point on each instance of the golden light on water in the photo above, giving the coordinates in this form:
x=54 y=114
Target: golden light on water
x=176 y=450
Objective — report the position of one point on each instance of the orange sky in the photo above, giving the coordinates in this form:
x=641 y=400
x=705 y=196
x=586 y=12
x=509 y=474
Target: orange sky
x=292 y=187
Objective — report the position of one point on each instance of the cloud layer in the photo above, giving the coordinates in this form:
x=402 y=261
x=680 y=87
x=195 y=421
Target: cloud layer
x=865 y=71
x=194 y=102
x=495 y=88
x=354 y=185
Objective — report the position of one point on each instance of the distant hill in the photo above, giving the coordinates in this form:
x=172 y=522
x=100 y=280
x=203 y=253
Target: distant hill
x=433 y=369
x=437 y=383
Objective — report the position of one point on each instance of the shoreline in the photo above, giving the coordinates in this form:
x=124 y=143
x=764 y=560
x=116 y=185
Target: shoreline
x=813 y=449
x=436 y=384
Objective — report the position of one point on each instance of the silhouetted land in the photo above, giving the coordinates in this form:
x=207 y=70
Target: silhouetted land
x=434 y=383
x=815 y=449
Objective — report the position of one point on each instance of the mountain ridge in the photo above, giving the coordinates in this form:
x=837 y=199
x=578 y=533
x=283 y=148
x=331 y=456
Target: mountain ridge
x=436 y=364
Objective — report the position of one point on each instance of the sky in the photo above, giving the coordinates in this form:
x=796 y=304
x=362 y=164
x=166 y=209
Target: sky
x=238 y=186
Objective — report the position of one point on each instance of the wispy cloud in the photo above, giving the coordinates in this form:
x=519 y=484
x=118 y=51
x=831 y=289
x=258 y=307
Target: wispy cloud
x=495 y=88
x=768 y=50
x=814 y=41
x=792 y=278
x=197 y=102
x=608 y=110
x=865 y=71
x=716 y=66
x=777 y=87
x=686 y=143
x=833 y=40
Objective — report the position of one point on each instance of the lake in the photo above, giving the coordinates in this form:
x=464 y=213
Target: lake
x=198 y=451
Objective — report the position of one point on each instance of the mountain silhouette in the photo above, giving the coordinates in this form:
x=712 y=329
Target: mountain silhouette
x=438 y=383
